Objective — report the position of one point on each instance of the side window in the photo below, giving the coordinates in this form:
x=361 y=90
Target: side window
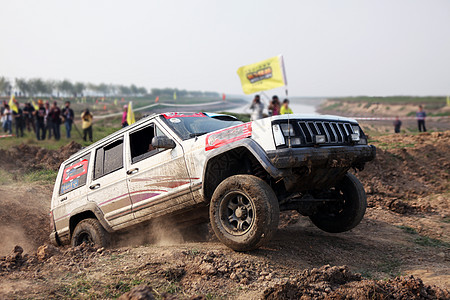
x=108 y=159
x=141 y=143
x=74 y=174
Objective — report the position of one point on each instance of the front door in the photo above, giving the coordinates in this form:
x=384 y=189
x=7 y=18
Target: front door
x=108 y=187
x=158 y=179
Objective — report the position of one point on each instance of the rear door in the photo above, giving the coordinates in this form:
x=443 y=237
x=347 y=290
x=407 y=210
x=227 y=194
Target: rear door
x=158 y=179
x=108 y=187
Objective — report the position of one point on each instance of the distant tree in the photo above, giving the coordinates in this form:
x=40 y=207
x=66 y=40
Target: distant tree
x=39 y=87
x=133 y=89
x=78 y=89
x=156 y=92
x=23 y=86
x=124 y=90
x=142 y=91
x=5 y=85
x=103 y=89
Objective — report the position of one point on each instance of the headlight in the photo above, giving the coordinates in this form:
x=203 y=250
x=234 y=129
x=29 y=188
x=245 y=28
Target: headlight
x=278 y=135
x=288 y=129
x=354 y=137
x=356 y=129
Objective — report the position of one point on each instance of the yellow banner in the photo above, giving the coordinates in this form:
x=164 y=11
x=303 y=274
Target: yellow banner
x=130 y=114
x=264 y=75
x=12 y=104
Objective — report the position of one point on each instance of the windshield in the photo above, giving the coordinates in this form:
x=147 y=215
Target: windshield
x=189 y=125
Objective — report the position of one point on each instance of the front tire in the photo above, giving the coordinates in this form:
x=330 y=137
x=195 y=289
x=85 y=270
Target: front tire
x=348 y=212
x=244 y=212
x=91 y=232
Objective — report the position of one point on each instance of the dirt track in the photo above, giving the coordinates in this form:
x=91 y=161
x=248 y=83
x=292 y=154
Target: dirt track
x=405 y=232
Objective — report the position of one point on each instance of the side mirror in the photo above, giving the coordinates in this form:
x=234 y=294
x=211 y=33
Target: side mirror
x=163 y=142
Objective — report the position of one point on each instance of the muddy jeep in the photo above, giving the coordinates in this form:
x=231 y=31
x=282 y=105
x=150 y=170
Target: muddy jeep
x=194 y=167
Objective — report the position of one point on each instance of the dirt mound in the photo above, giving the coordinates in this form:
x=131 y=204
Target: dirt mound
x=408 y=168
x=329 y=282
x=25 y=157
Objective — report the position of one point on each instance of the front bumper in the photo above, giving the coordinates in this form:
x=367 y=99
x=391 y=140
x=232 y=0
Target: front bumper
x=328 y=157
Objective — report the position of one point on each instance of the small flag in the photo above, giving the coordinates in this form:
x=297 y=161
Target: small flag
x=157 y=99
x=130 y=114
x=448 y=100
x=115 y=101
x=174 y=95
x=96 y=101
x=223 y=97
x=34 y=105
x=13 y=104
x=104 y=107
x=264 y=75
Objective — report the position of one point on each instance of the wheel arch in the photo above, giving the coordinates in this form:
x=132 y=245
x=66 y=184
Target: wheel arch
x=248 y=158
x=87 y=211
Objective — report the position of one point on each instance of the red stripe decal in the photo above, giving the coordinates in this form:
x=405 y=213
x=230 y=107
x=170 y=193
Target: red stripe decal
x=228 y=135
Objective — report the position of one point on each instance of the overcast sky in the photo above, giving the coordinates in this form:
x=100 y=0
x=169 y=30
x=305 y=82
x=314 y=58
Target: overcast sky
x=331 y=48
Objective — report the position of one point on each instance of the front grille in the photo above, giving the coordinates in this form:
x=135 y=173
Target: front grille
x=302 y=133
x=334 y=132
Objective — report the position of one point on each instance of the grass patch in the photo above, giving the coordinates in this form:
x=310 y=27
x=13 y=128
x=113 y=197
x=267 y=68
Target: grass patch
x=332 y=106
x=390 y=267
x=5 y=177
x=426 y=100
x=430 y=242
x=241 y=117
x=407 y=229
x=446 y=219
x=41 y=175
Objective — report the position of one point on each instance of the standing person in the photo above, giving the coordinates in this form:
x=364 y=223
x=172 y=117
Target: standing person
x=124 y=116
x=86 y=124
x=18 y=120
x=55 y=116
x=40 y=120
x=285 y=109
x=68 y=118
x=7 y=119
x=28 y=115
x=257 y=109
x=421 y=115
x=274 y=106
x=397 y=125
x=48 y=120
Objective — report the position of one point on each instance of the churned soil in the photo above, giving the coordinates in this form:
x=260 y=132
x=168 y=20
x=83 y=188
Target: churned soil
x=401 y=249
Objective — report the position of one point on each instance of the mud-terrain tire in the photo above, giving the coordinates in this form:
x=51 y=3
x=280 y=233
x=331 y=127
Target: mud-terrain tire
x=91 y=232
x=350 y=213
x=244 y=212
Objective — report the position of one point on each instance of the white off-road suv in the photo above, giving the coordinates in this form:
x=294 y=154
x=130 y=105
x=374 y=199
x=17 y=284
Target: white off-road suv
x=186 y=164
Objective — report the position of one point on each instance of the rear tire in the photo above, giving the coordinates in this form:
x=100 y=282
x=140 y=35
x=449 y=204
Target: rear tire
x=91 y=232
x=244 y=212
x=350 y=210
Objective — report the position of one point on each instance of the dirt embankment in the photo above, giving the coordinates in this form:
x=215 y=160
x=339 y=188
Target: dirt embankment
x=405 y=232
x=24 y=158
x=365 y=109
x=24 y=206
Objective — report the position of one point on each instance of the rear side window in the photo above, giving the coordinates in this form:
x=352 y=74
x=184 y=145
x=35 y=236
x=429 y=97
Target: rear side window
x=108 y=159
x=74 y=174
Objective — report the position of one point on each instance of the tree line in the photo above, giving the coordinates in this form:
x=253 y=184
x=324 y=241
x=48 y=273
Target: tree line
x=38 y=87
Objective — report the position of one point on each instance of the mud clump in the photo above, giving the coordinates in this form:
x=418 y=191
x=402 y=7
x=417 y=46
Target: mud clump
x=329 y=282
x=25 y=157
x=14 y=260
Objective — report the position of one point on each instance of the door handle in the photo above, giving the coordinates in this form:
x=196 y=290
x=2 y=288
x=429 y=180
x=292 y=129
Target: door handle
x=132 y=171
x=94 y=186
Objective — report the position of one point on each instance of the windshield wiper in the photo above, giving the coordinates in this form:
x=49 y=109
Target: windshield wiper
x=197 y=134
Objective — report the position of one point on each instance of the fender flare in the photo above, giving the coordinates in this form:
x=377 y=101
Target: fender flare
x=254 y=148
x=92 y=207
